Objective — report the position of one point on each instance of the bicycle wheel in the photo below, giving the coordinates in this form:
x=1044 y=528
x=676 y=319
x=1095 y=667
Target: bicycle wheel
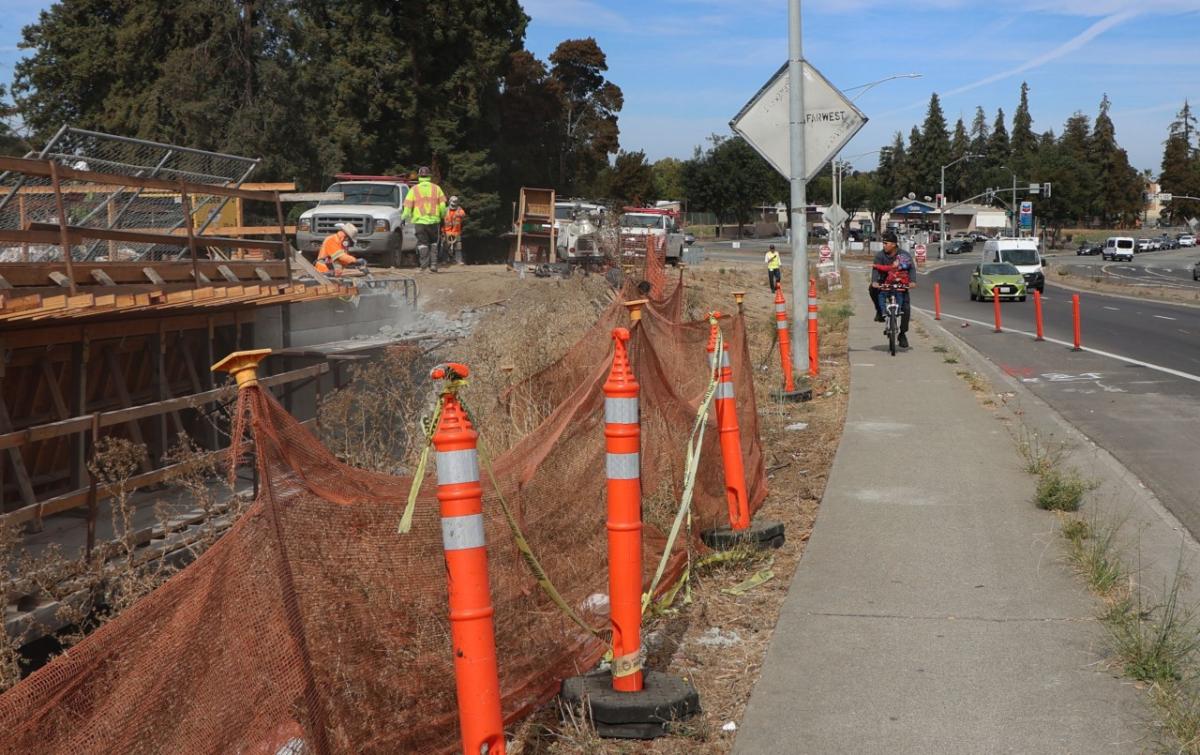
x=892 y=334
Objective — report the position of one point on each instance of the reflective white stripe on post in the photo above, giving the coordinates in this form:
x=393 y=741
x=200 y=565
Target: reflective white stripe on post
x=454 y=467
x=725 y=358
x=781 y=308
x=812 y=315
x=623 y=466
x=462 y=532
x=621 y=411
x=724 y=390
x=781 y=325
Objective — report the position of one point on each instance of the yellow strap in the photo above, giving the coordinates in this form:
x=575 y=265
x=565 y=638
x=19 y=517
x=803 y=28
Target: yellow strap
x=429 y=428
x=692 y=466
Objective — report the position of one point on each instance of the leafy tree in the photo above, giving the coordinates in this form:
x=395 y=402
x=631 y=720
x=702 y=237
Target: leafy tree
x=668 y=178
x=731 y=180
x=632 y=179
x=1181 y=166
x=590 y=104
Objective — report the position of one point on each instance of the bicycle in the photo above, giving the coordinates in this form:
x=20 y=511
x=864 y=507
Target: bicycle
x=892 y=310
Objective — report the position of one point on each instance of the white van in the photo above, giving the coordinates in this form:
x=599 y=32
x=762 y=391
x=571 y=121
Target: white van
x=1119 y=248
x=1022 y=253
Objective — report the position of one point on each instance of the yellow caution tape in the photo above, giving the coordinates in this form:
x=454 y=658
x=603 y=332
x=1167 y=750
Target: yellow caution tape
x=746 y=585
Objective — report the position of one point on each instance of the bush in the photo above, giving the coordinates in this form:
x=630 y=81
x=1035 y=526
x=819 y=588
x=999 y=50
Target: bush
x=1060 y=491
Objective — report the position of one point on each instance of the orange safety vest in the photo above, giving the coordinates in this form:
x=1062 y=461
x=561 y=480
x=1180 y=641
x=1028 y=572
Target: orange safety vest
x=454 y=221
x=333 y=247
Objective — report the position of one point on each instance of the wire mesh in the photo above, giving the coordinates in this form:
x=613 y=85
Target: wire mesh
x=30 y=199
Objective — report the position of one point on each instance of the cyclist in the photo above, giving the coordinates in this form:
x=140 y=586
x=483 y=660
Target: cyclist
x=893 y=267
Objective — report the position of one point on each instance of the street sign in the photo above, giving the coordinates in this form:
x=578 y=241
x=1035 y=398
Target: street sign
x=830 y=120
x=826 y=253
x=920 y=251
x=1164 y=197
x=1027 y=216
x=835 y=216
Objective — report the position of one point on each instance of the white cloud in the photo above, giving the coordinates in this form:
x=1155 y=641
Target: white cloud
x=1070 y=46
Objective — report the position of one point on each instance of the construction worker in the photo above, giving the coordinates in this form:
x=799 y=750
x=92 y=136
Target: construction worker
x=452 y=228
x=774 y=265
x=425 y=207
x=335 y=256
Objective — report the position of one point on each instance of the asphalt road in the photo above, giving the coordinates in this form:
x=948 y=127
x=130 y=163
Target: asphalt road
x=1134 y=390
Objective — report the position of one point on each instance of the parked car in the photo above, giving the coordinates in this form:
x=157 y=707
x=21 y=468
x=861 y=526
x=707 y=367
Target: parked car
x=991 y=279
x=1166 y=242
x=1143 y=245
x=1088 y=249
x=1187 y=239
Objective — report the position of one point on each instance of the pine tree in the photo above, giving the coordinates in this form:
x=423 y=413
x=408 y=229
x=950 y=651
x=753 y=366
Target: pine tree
x=976 y=170
x=958 y=178
x=932 y=150
x=590 y=104
x=998 y=150
x=1023 y=142
x=1119 y=199
x=1181 y=167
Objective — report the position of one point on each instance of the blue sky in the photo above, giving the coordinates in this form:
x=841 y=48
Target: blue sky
x=688 y=66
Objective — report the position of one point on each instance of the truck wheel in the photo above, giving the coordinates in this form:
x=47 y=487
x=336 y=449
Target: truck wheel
x=392 y=257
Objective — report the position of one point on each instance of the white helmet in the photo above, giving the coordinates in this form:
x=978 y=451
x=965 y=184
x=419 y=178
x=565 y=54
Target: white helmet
x=349 y=229
x=454 y=201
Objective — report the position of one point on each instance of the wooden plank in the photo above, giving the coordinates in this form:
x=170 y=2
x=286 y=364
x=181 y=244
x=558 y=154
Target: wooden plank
x=38 y=273
x=18 y=463
x=43 y=169
x=79 y=233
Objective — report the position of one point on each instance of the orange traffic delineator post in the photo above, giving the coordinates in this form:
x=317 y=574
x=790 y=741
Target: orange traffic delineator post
x=740 y=298
x=622 y=441
x=740 y=528
x=627 y=701
x=1037 y=315
x=1075 y=314
x=784 y=335
x=472 y=634
x=814 y=349
x=937 y=301
x=996 y=307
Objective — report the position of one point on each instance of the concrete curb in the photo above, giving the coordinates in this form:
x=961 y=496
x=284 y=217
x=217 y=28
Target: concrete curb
x=1154 y=542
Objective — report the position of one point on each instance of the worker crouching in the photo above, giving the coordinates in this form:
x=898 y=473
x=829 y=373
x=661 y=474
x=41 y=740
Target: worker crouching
x=334 y=257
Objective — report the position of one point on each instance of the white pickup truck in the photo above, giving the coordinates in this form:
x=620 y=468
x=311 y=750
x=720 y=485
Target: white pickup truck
x=373 y=204
x=639 y=222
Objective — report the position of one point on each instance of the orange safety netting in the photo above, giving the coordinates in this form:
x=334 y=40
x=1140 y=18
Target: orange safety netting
x=312 y=620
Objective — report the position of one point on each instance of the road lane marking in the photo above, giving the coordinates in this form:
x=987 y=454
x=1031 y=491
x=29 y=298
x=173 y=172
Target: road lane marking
x=1164 y=317
x=1090 y=350
x=1113 y=309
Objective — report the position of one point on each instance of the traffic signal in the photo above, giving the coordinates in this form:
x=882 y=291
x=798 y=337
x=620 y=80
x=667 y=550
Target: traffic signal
x=1046 y=189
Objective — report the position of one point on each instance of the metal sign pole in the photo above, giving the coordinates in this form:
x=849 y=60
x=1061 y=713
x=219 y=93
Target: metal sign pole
x=799 y=200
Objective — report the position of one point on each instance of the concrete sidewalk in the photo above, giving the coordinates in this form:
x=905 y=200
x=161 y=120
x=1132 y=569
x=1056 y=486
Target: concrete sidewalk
x=932 y=611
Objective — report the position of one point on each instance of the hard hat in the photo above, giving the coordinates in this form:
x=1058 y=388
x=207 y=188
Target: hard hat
x=454 y=200
x=424 y=172
x=349 y=230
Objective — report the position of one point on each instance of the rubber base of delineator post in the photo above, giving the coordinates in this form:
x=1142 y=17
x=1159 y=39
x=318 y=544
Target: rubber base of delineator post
x=632 y=715
x=761 y=533
x=792 y=397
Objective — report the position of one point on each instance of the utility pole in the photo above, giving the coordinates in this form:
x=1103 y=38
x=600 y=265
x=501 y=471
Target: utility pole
x=942 y=205
x=798 y=194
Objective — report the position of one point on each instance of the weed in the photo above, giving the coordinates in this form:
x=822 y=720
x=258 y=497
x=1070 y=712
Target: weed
x=1039 y=456
x=1061 y=491
x=1092 y=550
x=940 y=349
x=1063 y=272
x=950 y=360
x=1156 y=642
x=721 y=271
x=833 y=317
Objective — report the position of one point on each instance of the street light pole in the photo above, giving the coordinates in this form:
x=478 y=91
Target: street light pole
x=942 y=205
x=798 y=197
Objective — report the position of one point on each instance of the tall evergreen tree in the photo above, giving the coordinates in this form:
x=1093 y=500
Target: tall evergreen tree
x=1181 y=167
x=998 y=150
x=590 y=106
x=1121 y=187
x=1023 y=141
x=976 y=170
x=932 y=151
x=958 y=178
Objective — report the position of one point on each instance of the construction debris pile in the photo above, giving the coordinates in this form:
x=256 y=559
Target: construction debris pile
x=313 y=621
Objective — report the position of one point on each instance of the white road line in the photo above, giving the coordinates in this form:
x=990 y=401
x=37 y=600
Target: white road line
x=1113 y=309
x=1164 y=317
x=1098 y=352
